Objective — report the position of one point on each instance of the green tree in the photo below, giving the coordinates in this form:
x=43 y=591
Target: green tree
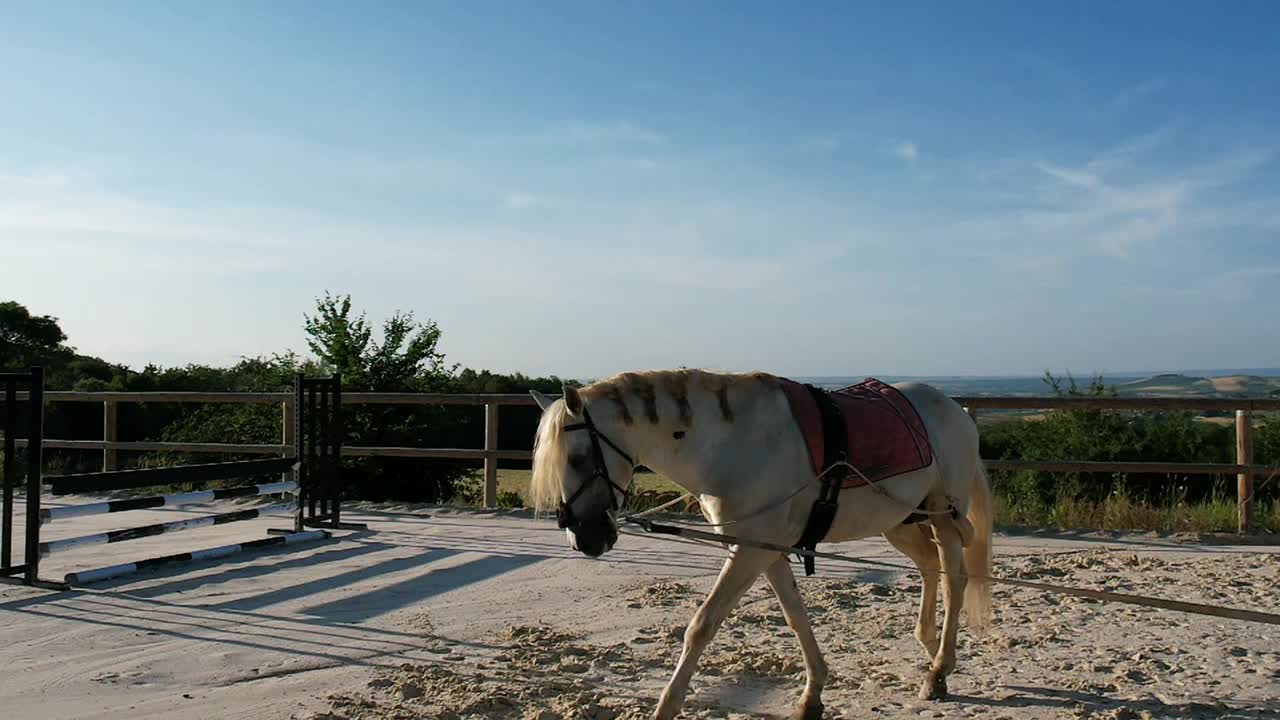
x=1103 y=436
x=27 y=339
x=407 y=358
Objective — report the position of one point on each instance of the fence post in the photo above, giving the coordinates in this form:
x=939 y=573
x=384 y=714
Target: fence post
x=35 y=466
x=491 y=454
x=287 y=435
x=1244 y=481
x=109 y=459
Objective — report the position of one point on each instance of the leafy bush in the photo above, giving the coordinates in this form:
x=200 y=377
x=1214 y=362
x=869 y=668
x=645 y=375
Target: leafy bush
x=1114 y=436
x=405 y=358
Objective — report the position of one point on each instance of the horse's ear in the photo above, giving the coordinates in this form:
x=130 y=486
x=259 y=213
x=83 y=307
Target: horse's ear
x=543 y=401
x=572 y=400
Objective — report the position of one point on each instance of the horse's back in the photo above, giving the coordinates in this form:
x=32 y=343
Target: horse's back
x=953 y=435
x=936 y=408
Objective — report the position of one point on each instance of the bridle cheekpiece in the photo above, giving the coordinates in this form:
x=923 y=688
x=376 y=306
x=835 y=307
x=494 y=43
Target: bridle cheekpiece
x=564 y=514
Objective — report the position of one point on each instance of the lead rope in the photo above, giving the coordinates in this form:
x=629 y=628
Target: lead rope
x=1104 y=596
x=874 y=486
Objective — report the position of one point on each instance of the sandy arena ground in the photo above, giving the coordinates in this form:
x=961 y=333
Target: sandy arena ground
x=452 y=614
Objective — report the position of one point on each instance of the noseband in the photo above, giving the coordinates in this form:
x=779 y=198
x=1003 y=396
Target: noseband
x=564 y=515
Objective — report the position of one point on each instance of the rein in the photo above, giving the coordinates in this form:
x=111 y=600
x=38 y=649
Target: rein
x=564 y=514
x=1104 y=596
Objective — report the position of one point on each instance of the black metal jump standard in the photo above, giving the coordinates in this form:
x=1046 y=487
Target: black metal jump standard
x=317 y=487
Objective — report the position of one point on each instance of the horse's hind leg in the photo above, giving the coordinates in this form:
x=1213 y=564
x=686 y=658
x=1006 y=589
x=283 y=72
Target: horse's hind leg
x=815 y=668
x=914 y=542
x=953 y=585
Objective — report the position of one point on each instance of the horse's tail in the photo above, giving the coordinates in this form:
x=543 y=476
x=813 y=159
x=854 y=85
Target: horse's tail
x=977 y=554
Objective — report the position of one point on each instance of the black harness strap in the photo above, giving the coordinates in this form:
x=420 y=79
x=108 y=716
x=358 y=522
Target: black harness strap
x=835 y=448
x=600 y=472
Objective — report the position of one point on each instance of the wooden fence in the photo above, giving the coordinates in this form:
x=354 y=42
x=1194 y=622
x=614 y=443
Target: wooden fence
x=1244 y=468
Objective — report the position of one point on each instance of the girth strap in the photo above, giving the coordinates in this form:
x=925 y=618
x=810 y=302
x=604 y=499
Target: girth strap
x=835 y=448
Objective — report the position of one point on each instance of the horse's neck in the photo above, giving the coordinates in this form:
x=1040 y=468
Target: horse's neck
x=672 y=458
x=712 y=453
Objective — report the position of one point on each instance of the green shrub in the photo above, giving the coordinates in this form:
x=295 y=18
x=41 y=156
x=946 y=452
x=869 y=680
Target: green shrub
x=1109 y=436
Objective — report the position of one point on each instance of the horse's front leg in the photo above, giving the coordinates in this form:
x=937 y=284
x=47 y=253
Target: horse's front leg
x=815 y=668
x=736 y=576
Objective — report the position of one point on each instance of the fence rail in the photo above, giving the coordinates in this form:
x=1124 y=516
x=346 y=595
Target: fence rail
x=1244 y=408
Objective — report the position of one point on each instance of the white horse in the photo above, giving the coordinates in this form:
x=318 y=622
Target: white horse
x=731 y=439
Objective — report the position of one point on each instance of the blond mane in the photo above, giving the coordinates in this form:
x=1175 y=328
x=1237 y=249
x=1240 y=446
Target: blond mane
x=627 y=391
x=549 y=458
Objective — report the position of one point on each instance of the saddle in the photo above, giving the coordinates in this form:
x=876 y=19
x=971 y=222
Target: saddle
x=871 y=426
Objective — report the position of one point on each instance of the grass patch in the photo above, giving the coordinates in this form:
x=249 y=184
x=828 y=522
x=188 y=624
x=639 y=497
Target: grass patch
x=1117 y=512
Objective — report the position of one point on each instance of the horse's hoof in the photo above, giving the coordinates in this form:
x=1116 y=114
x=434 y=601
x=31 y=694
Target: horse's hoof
x=808 y=711
x=934 y=687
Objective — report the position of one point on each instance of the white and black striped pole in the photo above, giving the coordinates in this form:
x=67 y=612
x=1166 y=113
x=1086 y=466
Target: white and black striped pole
x=114 y=536
x=88 y=576
x=48 y=515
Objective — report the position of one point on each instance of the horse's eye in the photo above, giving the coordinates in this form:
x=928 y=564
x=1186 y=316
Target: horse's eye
x=577 y=462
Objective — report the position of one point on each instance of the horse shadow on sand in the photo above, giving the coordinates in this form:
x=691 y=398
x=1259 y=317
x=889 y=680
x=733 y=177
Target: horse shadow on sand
x=1086 y=704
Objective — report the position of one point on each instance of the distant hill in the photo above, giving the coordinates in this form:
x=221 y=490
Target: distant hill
x=1217 y=372
x=1232 y=384
x=1177 y=385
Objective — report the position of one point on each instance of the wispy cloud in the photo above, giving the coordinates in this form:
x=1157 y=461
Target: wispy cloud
x=1233 y=286
x=520 y=201
x=1074 y=178
x=821 y=143
x=641 y=163
x=89 y=224
x=622 y=132
x=579 y=133
x=1129 y=96
x=776 y=276
x=906 y=150
x=84 y=215
x=1125 y=155
x=1118 y=200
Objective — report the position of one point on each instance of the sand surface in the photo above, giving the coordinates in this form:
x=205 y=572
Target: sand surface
x=438 y=613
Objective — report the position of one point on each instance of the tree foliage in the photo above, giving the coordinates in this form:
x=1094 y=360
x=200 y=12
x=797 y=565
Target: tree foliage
x=27 y=339
x=406 y=358
x=402 y=354
x=1107 y=436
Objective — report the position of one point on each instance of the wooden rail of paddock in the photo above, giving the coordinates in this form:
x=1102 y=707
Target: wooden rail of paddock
x=1244 y=409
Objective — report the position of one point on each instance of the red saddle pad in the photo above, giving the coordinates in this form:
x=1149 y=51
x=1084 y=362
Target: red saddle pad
x=886 y=435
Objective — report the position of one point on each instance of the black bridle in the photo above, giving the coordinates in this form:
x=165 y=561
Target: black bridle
x=564 y=515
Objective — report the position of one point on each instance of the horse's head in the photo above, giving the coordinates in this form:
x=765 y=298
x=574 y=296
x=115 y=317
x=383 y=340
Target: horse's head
x=581 y=471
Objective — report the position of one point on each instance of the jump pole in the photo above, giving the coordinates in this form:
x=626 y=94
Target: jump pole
x=89 y=576
x=48 y=515
x=135 y=533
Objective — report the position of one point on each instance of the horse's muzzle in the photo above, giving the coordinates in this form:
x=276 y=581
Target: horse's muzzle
x=596 y=536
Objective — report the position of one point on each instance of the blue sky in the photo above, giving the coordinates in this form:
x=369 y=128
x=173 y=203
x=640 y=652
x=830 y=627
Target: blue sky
x=581 y=187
